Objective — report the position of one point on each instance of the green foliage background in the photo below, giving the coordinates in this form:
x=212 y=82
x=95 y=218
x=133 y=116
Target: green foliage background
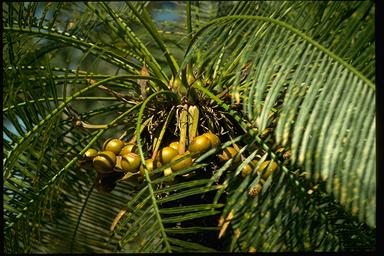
x=310 y=63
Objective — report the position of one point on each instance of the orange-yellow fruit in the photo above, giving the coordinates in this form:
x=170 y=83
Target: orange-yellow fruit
x=151 y=164
x=104 y=161
x=247 y=169
x=174 y=145
x=213 y=138
x=269 y=170
x=166 y=154
x=90 y=153
x=130 y=162
x=229 y=153
x=114 y=145
x=128 y=148
x=200 y=144
x=183 y=163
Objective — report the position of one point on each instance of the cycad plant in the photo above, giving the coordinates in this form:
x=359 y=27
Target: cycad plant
x=225 y=126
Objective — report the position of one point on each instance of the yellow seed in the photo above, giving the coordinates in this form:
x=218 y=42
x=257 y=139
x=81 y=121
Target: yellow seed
x=130 y=162
x=90 y=153
x=166 y=154
x=273 y=166
x=174 y=145
x=183 y=163
x=150 y=166
x=104 y=161
x=229 y=153
x=247 y=169
x=128 y=148
x=200 y=144
x=114 y=145
x=213 y=138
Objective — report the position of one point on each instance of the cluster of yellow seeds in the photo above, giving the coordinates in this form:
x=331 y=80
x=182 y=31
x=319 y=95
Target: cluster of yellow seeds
x=118 y=158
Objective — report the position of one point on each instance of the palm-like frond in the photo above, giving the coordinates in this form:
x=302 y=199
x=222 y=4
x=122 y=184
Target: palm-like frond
x=86 y=225
x=148 y=223
x=319 y=95
x=312 y=65
x=347 y=30
x=286 y=204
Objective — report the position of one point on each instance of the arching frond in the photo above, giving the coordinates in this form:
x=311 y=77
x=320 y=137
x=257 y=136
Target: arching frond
x=264 y=214
x=319 y=95
x=148 y=221
x=85 y=224
x=288 y=85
